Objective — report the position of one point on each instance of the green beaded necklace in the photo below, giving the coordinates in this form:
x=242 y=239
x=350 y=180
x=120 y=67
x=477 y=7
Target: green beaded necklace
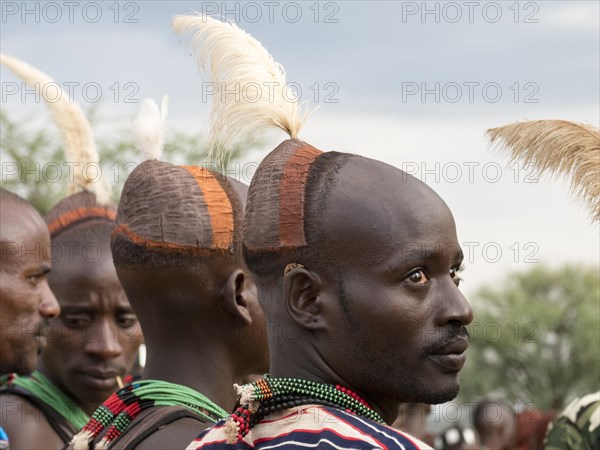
x=267 y=395
x=118 y=411
x=38 y=385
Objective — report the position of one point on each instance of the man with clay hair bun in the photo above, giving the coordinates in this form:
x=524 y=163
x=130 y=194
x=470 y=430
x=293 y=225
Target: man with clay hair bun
x=177 y=248
x=356 y=261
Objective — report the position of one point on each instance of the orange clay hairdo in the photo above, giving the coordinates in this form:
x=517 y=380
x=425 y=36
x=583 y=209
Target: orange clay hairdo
x=173 y=215
x=170 y=215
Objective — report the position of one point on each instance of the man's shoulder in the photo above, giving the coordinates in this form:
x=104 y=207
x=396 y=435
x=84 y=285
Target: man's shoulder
x=313 y=425
x=25 y=424
x=162 y=427
x=16 y=407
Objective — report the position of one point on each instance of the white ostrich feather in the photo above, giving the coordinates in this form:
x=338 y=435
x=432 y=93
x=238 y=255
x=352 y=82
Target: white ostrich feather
x=149 y=128
x=236 y=62
x=75 y=130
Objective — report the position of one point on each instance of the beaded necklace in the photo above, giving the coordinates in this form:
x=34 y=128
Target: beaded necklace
x=119 y=410
x=267 y=395
x=42 y=388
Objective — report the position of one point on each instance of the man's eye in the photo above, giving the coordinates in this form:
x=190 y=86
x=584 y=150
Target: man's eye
x=418 y=277
x=34 y=280
x=38 y=276
x=127 y=321
x=455 y=274
x=76 y=321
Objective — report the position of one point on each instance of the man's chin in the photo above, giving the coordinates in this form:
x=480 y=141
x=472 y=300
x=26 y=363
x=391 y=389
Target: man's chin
x=26 y=366
x=435 y=393
x=441 y=396
x=28 y=361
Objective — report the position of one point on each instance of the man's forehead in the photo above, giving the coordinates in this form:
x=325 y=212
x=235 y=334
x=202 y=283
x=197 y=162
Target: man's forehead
x=86 y=263
x=92 y=300
x=90 y=284
x=414 y=252
x=24 y=256
x=371 y=186
x=20 y=222
x=380 y=212
x=24 y=244
x=377 y=202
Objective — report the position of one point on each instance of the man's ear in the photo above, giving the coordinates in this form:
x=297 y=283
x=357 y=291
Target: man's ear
x=302 y=290
x=236 y=296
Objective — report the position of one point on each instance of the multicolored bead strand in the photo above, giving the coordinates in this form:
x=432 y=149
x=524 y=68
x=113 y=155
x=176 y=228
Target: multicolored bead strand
x=120 y=409
x=267 y=395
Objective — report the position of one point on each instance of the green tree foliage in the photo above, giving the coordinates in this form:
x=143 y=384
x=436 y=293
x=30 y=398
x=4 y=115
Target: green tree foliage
x=536 y=338
x=33 y=159
x=23 y=153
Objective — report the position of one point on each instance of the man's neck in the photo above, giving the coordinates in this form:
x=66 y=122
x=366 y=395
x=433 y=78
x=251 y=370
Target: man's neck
x=204 y=368
x=321 y=373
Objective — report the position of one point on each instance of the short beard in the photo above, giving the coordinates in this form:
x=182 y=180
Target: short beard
x=406 y=387
x=23 y=365
x=410 y=389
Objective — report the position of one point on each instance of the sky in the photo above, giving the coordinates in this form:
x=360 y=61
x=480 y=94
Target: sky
x=414 y=84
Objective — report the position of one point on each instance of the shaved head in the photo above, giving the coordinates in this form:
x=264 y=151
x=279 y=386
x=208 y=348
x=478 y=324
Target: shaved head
x=26 y=301
x=363 y=260
x=18 y=219
x=177 y=248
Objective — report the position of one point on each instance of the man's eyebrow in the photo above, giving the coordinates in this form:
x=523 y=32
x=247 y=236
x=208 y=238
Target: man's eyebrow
x=422 y=256
x=71 y=309
x=409 y=259
x=44 y=269
x=417 y=256
x=38 y=271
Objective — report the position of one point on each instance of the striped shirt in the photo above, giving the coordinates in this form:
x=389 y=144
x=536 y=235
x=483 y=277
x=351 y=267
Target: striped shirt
x=311 y=427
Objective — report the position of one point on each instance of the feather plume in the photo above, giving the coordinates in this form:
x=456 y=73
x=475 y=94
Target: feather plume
x=251 y=93
x=558 y=147
x=75 y=130
x=149 y=128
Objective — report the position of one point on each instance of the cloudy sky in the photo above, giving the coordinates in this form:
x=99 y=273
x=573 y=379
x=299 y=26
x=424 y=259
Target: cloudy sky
x=414 y=84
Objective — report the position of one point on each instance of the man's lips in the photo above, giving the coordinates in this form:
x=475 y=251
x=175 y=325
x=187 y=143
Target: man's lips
x=41 y=342
x=100 y=379
x=98 y=373
x=40 y=336
x=451 y=356
x=455 y=346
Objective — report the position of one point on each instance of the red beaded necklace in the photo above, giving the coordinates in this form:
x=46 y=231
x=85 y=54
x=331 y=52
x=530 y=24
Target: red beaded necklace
x=267 y=395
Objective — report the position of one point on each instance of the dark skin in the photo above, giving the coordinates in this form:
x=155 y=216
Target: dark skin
x=208 y=346
x=26 y=301
x=386 y=317
x=204 y=329
x=97 y=336
x=26 y=426
x=95 y=339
